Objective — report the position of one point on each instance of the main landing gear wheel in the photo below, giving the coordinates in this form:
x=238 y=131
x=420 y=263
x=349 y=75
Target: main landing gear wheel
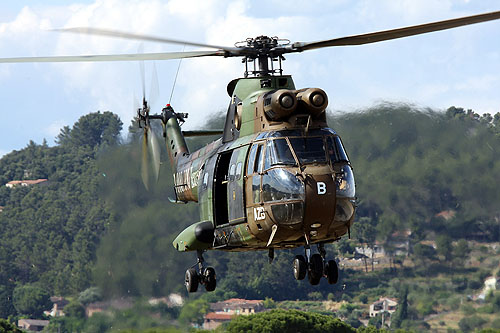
x=331 y=272
x=315 y=266
x=205 y=276
x=299 y=267
x=209 y=278
x=315 y=271
x=191 y=281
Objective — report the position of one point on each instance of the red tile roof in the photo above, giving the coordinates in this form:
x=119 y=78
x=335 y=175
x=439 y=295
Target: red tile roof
x=219 y=316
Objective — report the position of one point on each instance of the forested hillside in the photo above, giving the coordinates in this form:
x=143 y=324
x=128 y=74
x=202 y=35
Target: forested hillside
x=94 y=224
x=49 y=232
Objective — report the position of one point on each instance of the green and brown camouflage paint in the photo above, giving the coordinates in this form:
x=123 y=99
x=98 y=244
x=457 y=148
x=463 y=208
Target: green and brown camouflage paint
x=238 y=229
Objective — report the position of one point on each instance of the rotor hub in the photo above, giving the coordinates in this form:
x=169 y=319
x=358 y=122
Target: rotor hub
x=263 y=52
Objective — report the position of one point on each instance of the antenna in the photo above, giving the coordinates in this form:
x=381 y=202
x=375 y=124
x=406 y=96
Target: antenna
x=175 y=79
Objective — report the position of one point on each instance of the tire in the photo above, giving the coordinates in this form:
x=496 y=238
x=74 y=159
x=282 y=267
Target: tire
x=210 y=279
x=332 y=272
x=191 y=280
x=299 y=267
x=315 y=269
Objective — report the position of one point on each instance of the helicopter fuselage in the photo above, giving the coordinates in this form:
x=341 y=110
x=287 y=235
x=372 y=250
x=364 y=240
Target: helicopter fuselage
x=278 y=178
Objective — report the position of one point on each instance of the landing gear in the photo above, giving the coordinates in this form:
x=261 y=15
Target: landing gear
x=205 y=276
x=299 y=267
x=315 y=272
x=332 y=271
x=315 y=266
x=192 y=280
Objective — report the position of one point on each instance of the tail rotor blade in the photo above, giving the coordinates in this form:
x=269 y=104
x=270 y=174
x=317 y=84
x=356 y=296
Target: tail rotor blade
x=154 y=149
x=144 y=162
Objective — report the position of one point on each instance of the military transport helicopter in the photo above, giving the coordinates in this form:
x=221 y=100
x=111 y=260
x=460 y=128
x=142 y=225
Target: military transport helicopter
x=278 y=177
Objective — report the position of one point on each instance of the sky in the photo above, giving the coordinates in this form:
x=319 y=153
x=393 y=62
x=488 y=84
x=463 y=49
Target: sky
x=458 y=67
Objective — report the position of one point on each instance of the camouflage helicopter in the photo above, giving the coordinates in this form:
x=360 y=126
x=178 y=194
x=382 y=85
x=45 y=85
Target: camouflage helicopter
x=278 y=177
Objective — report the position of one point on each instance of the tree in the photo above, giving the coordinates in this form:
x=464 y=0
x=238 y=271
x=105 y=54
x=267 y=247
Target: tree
x=472 y=323
x=365 y=232
x=461 y=250
x=402 y=311
x=31 y=300
x=287 y=321
x=444 y=247
x=74 y=309
x=90 y=295
x=424 y=253
x=6 y=327
x=6 y=307
x=193 y=312
x=93 y=129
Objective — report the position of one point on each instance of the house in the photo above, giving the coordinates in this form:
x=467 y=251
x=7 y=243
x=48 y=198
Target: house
x=57 y=308
x=490 y=285
x=173 y=300
x=1 y=208
x=446 y=214
x=384 y=304
x=14 y=183
x=212 y=320
x=238 y=306
x=32 y=325
x=108 y=306
x=225 y=310
x=399 y=240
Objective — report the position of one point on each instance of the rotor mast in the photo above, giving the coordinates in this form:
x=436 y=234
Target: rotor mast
x=263 y=52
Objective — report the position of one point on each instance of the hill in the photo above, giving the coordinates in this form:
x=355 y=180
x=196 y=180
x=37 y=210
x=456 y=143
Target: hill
x=432 y=175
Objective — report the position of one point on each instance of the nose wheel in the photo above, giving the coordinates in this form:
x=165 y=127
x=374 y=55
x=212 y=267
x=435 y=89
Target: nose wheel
x=205 y=276
x=315 y=267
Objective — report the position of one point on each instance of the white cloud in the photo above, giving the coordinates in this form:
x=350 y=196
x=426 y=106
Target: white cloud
x=427 y=70
x=54 y=128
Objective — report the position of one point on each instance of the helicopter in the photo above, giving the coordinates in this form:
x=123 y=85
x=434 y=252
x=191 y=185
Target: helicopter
x=278 y=177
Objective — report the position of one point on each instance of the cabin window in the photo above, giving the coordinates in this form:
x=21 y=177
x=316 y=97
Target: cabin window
x=232 y=172
x=309 y=149
x=238 y=170
x=205 y=179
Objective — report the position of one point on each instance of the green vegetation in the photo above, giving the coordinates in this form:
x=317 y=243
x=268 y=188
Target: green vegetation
x=92 y=232
x=287 y=321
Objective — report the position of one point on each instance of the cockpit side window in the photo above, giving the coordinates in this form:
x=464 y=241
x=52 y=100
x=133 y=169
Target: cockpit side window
x=309 y=149
x=335 y=149
x=258 y=159
x=251 y=166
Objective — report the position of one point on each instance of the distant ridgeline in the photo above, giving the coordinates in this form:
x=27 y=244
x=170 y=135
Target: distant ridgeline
x=93 y=223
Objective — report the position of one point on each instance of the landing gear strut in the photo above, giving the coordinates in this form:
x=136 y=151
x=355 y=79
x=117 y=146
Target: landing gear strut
x=315 y=266
x=205 y=276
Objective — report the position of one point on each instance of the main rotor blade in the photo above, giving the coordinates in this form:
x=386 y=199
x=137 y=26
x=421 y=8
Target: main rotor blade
x=397 y=33
x=126 y=35
x=115 y=57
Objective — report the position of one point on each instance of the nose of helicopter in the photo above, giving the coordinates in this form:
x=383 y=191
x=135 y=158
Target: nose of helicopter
x=327 y=211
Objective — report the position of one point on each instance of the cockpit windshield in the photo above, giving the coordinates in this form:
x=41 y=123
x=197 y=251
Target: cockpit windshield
x=278 y=153
x=288 y=151
x=309 y=149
